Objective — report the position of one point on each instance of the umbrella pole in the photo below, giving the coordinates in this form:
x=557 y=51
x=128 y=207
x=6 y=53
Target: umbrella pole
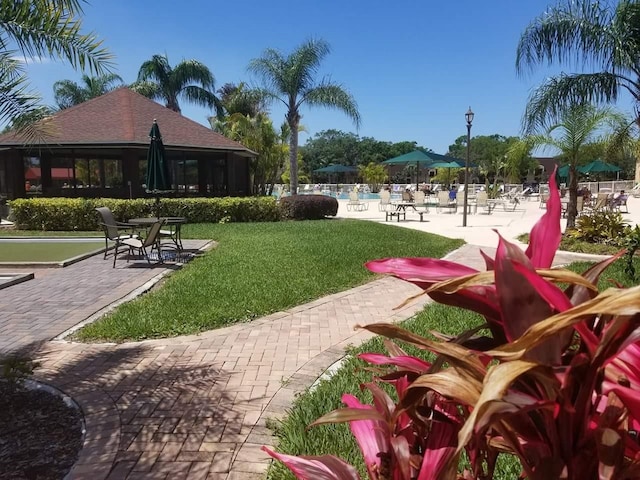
x=158 y=206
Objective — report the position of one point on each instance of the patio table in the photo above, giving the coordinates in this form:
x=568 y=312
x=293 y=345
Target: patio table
x=173 y=223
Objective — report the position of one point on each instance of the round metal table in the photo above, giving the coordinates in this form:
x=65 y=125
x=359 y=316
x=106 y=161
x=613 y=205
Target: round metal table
x=174 y=224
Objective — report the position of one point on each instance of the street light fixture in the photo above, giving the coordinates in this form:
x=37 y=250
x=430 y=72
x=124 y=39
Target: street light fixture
x=469 y=117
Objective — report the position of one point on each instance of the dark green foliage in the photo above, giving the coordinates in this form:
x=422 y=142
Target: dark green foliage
x=308 y=207
x=601 y=226
x=79 y=214
x=632 y=244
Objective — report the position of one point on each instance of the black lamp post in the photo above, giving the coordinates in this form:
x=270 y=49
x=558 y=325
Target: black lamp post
x=469 y=117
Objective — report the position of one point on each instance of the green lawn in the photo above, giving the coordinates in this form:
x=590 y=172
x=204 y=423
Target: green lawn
x=45 y=251
x=261 y=268
x=295 y=439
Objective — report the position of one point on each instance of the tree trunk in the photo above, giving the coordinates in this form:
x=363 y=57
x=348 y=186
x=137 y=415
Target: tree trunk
x=572 y=207
x=293 y=158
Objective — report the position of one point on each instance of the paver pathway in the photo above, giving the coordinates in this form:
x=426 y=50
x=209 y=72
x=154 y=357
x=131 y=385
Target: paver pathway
x=59 y=298
x=195 y=406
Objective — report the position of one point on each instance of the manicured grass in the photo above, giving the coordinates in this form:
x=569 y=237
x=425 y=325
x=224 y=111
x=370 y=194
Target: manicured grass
x=295 y=439
x=260 y=268
x=45 y=251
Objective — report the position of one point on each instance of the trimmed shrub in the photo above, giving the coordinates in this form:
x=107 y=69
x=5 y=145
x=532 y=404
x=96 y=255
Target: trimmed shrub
x=308 y=207
x=601 y=226
x=68 y=214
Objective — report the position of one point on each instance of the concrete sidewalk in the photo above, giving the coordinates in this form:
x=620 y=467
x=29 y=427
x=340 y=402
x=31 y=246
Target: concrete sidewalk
x=196 y=406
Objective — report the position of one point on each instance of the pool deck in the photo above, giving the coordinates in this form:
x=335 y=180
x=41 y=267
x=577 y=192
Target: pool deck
x=196 y=406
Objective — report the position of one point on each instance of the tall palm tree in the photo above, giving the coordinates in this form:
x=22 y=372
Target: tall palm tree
x=68 y=93
x=189 y=79
x=290 y=79
x=583 y=32
x=571 y=132
x=41 y=28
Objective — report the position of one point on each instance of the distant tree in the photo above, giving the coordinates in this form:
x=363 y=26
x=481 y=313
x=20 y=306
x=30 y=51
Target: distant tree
x=41 y=28
x=489 y=153
x=240 y=99
x=571 y=132
x=189 y=80
x=374 y=174
x=68 y=93
x=291 y=80
x=605 y=35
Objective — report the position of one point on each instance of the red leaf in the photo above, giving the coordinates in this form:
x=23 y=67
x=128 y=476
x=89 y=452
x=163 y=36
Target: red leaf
x=326 y=467
x=429 y=270
x=372 y=436
x=545 y=235
x=410 y=363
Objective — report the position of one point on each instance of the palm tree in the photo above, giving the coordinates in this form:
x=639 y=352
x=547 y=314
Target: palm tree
x=572 y=132
x=68 y=93
x=190 y=80
x=41 y=28
x=584 y=32
x=290 y=79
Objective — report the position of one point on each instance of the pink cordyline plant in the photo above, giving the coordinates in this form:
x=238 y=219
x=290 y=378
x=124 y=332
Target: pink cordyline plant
x=557 y=383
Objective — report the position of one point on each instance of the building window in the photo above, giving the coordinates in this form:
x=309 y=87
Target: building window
x=32 y=176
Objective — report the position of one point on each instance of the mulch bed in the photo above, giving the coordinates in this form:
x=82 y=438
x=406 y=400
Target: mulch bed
x=40 y=436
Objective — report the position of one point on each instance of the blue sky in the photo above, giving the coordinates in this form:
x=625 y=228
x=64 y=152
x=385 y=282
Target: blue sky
x=413 y=67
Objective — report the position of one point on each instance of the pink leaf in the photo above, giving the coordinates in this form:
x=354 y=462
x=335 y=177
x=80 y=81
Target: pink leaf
x=545 y=235
x=405 y=361
x=372 y=436
x=429 y=270
x=326 y=467
x=547 y=290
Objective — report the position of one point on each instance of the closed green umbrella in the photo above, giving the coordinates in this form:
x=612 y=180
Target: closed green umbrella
x=158 y=178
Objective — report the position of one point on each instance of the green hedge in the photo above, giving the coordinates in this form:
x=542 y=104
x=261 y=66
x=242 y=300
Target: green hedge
x=66 y=214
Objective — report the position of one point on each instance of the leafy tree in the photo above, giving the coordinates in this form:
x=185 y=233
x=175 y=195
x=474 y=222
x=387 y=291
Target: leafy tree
x=41 y=28
x=572 y=132
x=68 y=93
x=373 y=174
x=291 y=80
x=240 y=99
x=189 y=80
x=582 y=32
x=491 y=154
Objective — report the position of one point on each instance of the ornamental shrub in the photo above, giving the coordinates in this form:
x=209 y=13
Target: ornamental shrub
x=601 y=226
x=68 y=214
x=556 y=382
x=308 y=207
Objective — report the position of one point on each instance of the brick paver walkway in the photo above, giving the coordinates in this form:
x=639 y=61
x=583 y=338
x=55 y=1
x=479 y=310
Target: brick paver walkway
x=195 y=406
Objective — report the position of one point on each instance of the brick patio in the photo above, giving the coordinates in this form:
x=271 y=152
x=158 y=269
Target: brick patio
x=192 y=406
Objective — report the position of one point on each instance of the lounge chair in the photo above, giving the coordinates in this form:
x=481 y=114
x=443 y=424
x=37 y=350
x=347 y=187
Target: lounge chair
x=114 y=231
x=407 y=197
x=385 y=201
x=444 y=202
x=151 y=240
x=355 y=203
x=419 y=198
x=482 y=202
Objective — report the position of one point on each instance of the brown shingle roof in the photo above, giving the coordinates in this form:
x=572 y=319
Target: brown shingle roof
x=124 y=117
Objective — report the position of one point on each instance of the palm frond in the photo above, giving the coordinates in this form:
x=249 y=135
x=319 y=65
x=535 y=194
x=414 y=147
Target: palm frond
x=40 y=29
x=147 y=89
x=193 y=71
x=576 y=32
x=330 y=95
x=553 y=97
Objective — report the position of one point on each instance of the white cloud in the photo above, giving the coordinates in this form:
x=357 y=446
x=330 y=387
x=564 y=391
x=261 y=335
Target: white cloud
x=31 y=60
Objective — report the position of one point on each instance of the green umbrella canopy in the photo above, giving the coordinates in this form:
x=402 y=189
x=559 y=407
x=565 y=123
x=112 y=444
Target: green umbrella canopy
x=336 y=169
x=158 y=179
x=598 y=166
x=563 y=171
